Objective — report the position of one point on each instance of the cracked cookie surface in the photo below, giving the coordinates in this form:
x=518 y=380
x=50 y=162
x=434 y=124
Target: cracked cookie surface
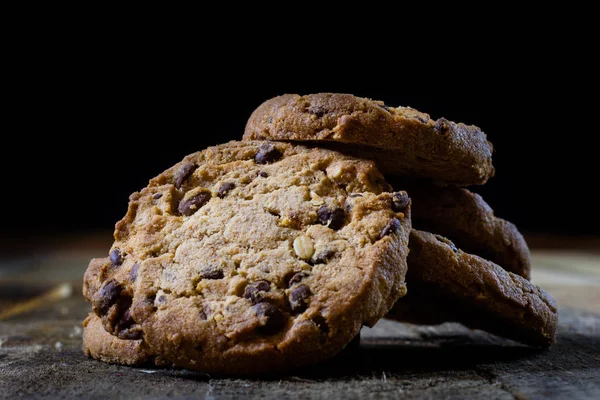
x=401 y=140
x=254 y=257
x=446 y=284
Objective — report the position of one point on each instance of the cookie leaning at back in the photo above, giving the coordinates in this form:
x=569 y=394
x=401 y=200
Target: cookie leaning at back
x=252 y=257
x=466 y=219
x=446 y=284
x=401 y=140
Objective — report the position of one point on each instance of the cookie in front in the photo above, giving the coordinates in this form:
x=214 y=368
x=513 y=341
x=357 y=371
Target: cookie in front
x=254 y=257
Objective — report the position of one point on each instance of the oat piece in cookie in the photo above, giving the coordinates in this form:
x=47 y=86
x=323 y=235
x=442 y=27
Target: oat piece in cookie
x=446 y=284
x=402 y=141
x=254 y=257
x=467 y=220
x=99 y=344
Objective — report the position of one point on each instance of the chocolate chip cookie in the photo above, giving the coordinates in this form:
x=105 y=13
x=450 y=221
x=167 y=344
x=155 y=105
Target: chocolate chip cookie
x=465 y=218
x=254 y=257
x=402 y=141
x=446 y=284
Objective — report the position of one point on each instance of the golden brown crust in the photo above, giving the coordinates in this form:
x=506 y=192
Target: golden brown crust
x=450 y=285
x=101 y=345
x=254 y=257
x=401 y=140
x=466 y=219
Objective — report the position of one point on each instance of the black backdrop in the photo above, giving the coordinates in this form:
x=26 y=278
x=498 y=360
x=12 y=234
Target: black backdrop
x=86 y=135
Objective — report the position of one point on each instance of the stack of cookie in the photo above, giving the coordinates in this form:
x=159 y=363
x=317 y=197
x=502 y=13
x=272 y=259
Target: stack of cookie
x=465 y=264
x=270 y=253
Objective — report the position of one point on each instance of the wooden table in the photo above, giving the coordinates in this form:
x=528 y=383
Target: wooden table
x=41 y=357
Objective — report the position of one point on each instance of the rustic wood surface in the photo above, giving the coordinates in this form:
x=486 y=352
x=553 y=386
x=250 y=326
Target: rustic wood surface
x=41 y=357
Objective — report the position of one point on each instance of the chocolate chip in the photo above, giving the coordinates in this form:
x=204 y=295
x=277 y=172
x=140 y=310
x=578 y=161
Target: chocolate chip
x=399 y=201
x=335 y=218
x=324 y=256
x=133 y=274
x=212 y=273
x=386 y=108
x=270 y=120
x=442 y=126
x=126 y=328
x=184 y=173
x=193 y=204
x=324 y=214
x=297 y=278
x=162 y=299
x=317 y=110
x=225 y=189
x=202 y=315
x=263 y=285
x=115 y=257
x=157 y=196
x=321 y=323
x=263 y=174
x=338 y=217
x=107 y=296
x=267 y=153
x=254 y=291
x=298 y=298
x=125 y=322
x=130 y=334
x=390 y=228
x=274 y=320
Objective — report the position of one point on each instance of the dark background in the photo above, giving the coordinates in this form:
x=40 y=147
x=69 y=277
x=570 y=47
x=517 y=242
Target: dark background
x=84 y=129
